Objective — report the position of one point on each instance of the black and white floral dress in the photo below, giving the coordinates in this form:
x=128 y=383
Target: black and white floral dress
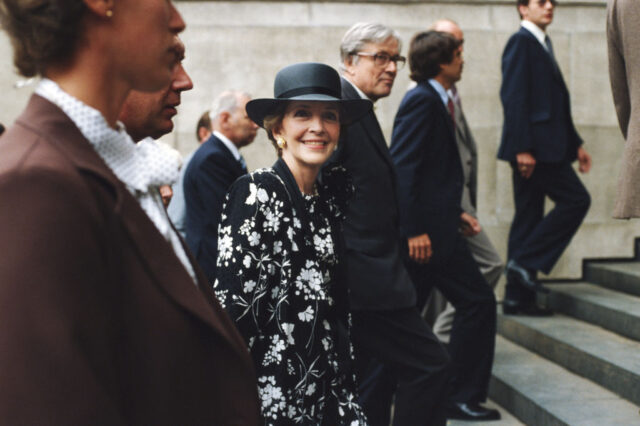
x=279 y=277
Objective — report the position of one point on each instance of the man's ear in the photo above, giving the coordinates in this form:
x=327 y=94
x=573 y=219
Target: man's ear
x=100 y=7
x=203 y=134
x=524 y=10
x=223 y=119
x=349 y=65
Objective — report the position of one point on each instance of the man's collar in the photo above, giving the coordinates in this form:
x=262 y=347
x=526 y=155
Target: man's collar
x=357 y=89
x=230 y=145
x=440 y=89
x=537 y=32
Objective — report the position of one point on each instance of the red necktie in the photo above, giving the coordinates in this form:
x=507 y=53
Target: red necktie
x=452 y=111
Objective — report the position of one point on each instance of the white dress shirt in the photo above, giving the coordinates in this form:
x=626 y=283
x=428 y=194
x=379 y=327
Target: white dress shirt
x=536 y=31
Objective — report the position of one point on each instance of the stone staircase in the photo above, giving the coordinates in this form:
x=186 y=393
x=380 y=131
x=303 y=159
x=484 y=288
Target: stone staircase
x=581 y=366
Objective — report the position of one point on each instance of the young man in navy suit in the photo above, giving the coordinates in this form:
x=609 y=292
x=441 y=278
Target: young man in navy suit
x=430 y=184
x=540 y=142
x=210 y=173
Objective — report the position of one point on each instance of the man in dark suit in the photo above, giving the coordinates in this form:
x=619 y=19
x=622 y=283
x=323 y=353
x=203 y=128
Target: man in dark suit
x=540 y=142
x=210 y=173
x=483 y=251
x=430 y=182
x=387 y=326
x=177 y=210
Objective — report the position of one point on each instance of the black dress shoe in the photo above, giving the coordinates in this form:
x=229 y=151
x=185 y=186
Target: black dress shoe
x=471 y=411
x=516 y=273
x=511 y=307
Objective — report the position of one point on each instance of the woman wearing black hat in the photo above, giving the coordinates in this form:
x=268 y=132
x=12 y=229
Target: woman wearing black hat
x=279 y=270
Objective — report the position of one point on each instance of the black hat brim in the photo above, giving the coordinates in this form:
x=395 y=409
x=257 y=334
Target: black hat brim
x=350 y=109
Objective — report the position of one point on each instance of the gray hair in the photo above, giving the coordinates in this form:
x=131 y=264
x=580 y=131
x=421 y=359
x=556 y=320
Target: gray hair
x=362 y=33
x=226 y=101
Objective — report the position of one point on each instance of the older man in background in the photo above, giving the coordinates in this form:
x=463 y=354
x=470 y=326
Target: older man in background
x=393 y=344
x=210 y=173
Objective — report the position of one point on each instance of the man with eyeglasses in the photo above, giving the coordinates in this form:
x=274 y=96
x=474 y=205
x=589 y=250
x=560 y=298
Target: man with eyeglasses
x=540 y=142
x=393 y=344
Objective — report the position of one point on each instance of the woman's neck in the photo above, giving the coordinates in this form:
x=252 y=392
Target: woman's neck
x=305 y=176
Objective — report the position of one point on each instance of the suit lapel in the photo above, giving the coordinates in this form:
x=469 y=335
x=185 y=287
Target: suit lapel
x=233 y=163
x=553 y=65
x=441 y=107
x=463 y=131
x=371 y=126
x=154 y=252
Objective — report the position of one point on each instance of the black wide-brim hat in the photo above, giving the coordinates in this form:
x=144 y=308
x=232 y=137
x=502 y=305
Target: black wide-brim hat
x=308 y=81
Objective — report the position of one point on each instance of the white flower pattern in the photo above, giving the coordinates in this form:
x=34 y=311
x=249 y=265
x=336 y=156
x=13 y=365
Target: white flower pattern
x=276 y=278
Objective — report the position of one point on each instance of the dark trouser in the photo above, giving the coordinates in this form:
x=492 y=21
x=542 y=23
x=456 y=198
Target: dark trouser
x=536 y=241
x=473 y=333
x=400 y=343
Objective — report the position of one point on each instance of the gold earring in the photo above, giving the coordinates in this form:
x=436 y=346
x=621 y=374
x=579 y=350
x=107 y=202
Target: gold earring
x=109 y=13
x=281 y=142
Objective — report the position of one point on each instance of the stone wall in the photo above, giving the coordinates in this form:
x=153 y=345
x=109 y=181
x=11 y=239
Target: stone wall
x=242 y=44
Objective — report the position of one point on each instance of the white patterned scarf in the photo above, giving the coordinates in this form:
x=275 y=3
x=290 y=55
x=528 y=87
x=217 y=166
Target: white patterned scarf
x=142 y=167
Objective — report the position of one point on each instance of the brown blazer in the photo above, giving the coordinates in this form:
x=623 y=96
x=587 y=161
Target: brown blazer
x=99 y=321
x=623 y=37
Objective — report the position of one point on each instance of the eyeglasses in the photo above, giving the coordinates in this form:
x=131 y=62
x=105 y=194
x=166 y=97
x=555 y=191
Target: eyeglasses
x=541 y=3
x=382 y=59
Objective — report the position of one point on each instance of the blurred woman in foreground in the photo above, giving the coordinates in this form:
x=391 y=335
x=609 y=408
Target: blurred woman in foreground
x=104 y=319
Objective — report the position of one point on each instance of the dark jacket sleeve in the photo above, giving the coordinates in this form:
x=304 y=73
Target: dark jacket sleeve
x=254 y=225
x=411 y=128
x=514 y=94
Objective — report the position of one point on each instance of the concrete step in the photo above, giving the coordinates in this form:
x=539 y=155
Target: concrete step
x=613 y=310
x=606 y=358
x=539 y=392
x=620 y=276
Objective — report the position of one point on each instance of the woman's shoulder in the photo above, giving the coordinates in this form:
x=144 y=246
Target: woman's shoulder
x=262 y=185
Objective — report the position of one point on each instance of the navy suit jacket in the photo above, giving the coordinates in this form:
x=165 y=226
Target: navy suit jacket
x=430 y=178
x=376 y=274
x=537 y=109
x=207 y=179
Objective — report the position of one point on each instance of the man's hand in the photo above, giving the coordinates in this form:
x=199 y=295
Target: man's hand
x=584 y=160
x=469 y=225
x=166 y=193
x=420 y=248
x=526 y=164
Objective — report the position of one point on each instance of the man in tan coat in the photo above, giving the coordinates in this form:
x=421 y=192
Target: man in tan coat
x=623 y=37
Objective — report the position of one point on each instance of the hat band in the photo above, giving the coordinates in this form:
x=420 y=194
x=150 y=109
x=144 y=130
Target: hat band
x=313 y=90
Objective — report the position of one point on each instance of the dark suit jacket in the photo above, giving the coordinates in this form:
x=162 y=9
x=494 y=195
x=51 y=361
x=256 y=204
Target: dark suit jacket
x=100 y=323
x=377 y=277
x=537 y=110
x=430 y=180
x=210 y=173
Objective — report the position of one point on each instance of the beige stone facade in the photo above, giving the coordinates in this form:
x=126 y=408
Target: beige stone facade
x=242 y=44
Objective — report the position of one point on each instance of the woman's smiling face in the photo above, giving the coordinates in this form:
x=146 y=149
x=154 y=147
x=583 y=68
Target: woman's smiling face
x=311 y=130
